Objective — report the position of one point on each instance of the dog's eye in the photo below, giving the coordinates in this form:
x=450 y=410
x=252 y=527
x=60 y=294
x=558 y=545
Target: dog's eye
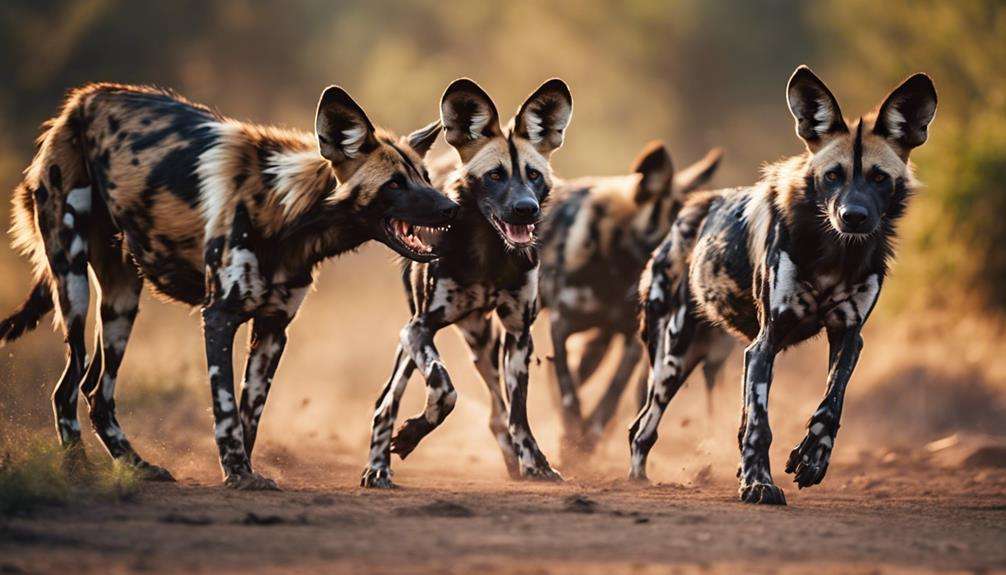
x=394 y=185
x=879 y=177
x=533 y=174
x=496 y=175
x=832 y=175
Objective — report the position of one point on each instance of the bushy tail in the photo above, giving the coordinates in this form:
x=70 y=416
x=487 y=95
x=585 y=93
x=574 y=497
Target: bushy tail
x=31 y=312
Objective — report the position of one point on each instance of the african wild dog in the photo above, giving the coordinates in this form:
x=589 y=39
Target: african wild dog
x=595 y=243
x=805 y=249
x=488 y=264
x=138 y=183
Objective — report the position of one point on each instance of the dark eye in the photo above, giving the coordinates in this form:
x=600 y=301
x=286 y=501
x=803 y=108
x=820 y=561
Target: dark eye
x=833 y=175
x=533 y=174
x=879 y=177
x=496 y=175
x=394 y=185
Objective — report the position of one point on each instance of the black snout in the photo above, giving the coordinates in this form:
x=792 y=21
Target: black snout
x=526 y=209
x=853 y=217
x=450 y=211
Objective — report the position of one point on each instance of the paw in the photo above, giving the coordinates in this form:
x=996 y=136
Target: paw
x=409 y=436
x=808 y=462
x=762 y=494
x=377 y=478
x=250 y=481
x=541 y=473
x=150 y=472
x=638 y=475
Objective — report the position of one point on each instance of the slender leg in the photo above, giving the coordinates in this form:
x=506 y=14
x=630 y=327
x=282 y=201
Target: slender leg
x=517 y=312
x=119 y=304
x=755 y=474
x=484 y=341
x=809 y=460
x=594 y=351
x=378 y=471
x=673 y=361
x=219 y=326
x=572 y=420
x=603 y=413
x=417 y=340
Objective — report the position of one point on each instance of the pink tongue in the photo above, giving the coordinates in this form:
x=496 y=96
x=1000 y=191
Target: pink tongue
x=519 y=234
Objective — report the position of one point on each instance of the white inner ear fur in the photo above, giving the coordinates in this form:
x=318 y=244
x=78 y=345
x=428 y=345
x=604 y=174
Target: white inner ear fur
x=823 y=116
x=352 y=139
x=533 y=124
x=478 y=122
x=895 y=121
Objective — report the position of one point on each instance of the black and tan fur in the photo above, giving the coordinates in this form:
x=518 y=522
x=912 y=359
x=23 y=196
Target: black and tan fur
x=137 y=184
x=488 y=267
x=595 y=242
x=804 y=250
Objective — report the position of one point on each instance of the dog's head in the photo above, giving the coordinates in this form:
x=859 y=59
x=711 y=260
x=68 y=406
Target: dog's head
x=659 y=191
x=860 y=171
x=385 y=177
x=507 y=173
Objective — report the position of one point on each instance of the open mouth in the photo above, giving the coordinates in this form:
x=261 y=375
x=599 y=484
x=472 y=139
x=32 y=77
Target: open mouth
x=419 y=240
x=518 y=235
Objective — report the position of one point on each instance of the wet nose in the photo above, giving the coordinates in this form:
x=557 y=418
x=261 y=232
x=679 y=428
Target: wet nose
x=853 y=216
x=449 y=212
x=526 y=208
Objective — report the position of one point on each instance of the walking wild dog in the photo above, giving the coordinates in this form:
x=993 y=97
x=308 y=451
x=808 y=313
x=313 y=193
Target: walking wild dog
x=138 y=183
x=488 y=264
x=595 y=243
x=803 y=250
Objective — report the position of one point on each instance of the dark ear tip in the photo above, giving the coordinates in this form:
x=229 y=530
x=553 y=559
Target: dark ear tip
x=803 y=73
x=922 y=81
x=653 y=156
x=463 y=84
x=556 y=85
x=655 y=148
x=715 y=155
x=334 y=93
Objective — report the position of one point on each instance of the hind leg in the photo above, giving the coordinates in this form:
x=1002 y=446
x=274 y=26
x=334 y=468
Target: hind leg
x=673 y=361
x=606 y=407
x=484 y=341
x=66 y=250
x=118 y=304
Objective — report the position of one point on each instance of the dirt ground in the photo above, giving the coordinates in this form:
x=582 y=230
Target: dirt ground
x=878 y=518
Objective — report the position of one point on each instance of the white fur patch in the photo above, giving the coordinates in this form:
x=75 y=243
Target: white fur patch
x=823 y=116
x=352 y=139
x=215 y=172
x=78 y=292
x=758 y=216
x=785 y=285
x=895 y=122
x=532 y=122
x=80 y=199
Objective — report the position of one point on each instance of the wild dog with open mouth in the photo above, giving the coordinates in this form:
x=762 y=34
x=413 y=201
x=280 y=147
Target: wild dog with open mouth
x=137 y=183
x=595 y=243
x=805 y=249
x=488 y=264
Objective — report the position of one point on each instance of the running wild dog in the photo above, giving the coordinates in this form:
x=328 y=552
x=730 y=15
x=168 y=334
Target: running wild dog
x=488 y=264
x=805 y=249
x=595 y=243
x=138 y=184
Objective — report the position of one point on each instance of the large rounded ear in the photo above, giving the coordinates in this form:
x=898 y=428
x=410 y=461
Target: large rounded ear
x=469 y=117
x=654 y=163
x=905 y=115
x=344 y=131
x=814 y=107
x=543 y=117
x=698 y=174
x=423 y=139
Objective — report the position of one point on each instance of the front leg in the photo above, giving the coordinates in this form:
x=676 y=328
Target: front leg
x=417 y=341
x=219 y=326
x=569 y=399
x=809 y=460
x=756 y=435
x=517 y=312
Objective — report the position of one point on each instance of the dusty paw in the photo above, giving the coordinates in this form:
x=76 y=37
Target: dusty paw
x=762 y=494
x=377 y=478
x=638 y=475
x=250 y=481
x=544 y=473
x=409 y=436
x=808 y=462
x=150 y=472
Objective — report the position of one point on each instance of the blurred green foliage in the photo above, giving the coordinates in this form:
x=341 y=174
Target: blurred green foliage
x=695 y=73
